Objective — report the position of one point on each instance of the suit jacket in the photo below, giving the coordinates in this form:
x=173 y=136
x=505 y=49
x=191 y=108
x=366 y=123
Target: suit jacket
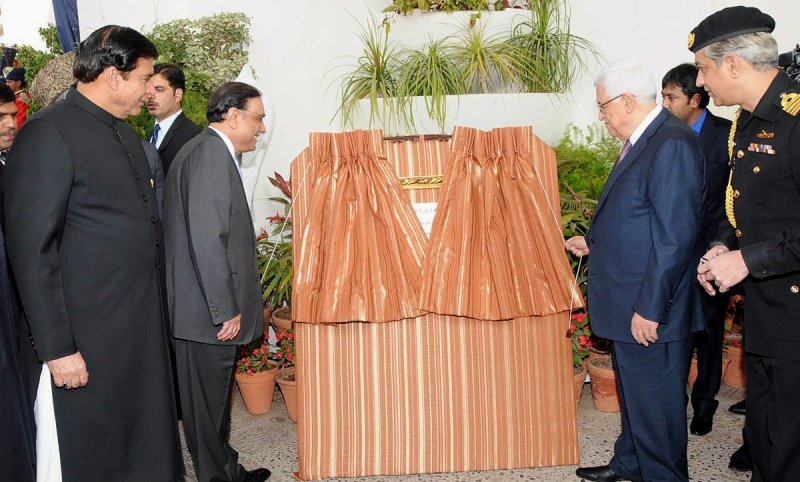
x=157 y=170
x=714 y=140
x=210 y=245
x=645 y=236
x=178 y=134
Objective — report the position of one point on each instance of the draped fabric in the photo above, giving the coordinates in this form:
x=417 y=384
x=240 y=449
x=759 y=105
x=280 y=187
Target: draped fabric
x=67 y=26
x=361 y=249
x=496 y=243
x=423 y=391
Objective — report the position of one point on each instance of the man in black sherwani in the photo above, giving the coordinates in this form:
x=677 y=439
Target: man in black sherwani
x=85 y=244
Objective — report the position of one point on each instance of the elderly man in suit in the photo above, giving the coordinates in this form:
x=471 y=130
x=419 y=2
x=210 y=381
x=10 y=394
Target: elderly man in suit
x=688 y=102
x=213 y=286
x=172 y=128
x=644 y=239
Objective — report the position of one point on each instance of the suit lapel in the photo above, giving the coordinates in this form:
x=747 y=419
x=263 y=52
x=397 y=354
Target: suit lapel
x=171 y=132
x=629 y=159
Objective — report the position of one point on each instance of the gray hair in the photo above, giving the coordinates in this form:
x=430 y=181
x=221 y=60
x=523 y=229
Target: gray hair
x=758 y=49
x=627 y=76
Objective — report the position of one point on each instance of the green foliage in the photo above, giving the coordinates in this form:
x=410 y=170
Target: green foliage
x=432 y=73
x=407 y=6
x=488 y=63
x=373 y=77
x=557 y=56
x=537 y=55
x=212 y=49
x=50 y=36
x=585 y=159
x=274 y=251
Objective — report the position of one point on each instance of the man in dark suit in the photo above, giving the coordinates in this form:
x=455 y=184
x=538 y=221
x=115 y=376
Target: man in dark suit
x=760 y=246
x=688 y=102
x=8 y=125
x=213 y=286
x=644 y=237
x=172 y=128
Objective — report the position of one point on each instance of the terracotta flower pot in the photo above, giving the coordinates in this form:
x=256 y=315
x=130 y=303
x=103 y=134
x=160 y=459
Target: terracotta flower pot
x=579 y=378
x=604 y=385
x=257 y=390
x=734 y=375
x=288 y=386
x=282 y=318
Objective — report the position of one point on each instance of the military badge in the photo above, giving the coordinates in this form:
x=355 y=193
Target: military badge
x=691 y=40
x=762 y=148
x=790 y=102
x=765 y=135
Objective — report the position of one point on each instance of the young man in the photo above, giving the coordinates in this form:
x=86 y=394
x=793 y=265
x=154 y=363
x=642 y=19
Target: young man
x=172 y=128
x=16 y=80
x=688 y=102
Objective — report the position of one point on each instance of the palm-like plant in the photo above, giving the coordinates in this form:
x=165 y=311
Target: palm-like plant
x=432 y=73
x=488 y=63
x=373 y=77
x=556 y=55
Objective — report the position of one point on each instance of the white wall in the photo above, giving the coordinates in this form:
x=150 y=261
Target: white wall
x=297 y=45
x=21 y=20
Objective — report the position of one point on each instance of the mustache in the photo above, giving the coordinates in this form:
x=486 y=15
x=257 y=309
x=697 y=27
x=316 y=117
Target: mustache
x=9 y=131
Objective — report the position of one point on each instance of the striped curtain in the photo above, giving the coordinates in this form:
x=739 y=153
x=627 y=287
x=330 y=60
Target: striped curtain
x=439 y=385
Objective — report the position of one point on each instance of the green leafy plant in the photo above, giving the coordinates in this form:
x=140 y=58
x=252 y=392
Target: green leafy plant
x=584 y=160
x=580 y=334
x=274 y=252
x=285 y=353
x=557 y=55
x=429 y=72
x=254 y=357
x=373 y=77
x=210 y=50
x=486 y=61
x=407 y=6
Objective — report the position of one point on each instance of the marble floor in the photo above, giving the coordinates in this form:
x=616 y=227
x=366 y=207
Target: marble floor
x=269 y=441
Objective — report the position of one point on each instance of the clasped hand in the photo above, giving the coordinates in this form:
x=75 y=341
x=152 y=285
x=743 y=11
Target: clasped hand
x=69 y=371
x=722 y=268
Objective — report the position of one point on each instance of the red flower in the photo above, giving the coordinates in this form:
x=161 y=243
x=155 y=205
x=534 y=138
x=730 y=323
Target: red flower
x=578 y=317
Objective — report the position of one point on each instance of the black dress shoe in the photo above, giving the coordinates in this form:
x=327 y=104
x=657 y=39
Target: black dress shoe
x=701 y=424
x=257 y=475
x=740 y=460
x=739 y=408
x=602 y=473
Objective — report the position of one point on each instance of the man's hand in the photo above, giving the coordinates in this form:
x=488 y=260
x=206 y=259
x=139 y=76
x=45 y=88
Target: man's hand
x=703 y=268
x=230 y=328
x=644 y=331
x=726 y=270
x=69 y=371
x=577 y=246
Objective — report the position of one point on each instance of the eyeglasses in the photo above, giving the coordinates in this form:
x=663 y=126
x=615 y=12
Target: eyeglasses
x=602 y=107
x=259 y=116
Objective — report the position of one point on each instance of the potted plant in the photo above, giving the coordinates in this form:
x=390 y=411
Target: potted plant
x=286 y=377
x=580 y=334
x=274 y=254
x=255 y=375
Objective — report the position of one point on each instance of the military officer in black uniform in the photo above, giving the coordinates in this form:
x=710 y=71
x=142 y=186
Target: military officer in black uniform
x=737 y=57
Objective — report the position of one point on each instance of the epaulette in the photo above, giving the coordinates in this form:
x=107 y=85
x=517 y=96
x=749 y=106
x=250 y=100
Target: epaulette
x=790 y=100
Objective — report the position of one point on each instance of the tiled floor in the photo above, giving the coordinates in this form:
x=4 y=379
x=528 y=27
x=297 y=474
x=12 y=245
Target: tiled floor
x=269 y=441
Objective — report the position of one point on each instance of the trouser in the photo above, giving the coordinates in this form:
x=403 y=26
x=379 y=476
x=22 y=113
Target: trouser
x=652 y=389
x=205 y=377
x=772 y=423
x=709 y=360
